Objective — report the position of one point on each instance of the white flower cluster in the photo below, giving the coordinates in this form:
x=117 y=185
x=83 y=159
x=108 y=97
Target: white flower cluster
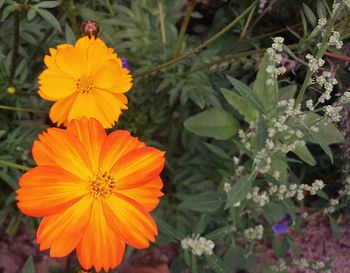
x=246 y=136
x=345 y=99
x=335 y=40
x=260 y=198
x=310 y=105
x=281 y=266
x=227 y=187
x=198 y=245
x=331 y=207
x=275 y=58
x=327 y=82
x=332 y=113
x=301 y=263
x=322 y=22
x=346 y=190
x=314 y=64
x=255 y=233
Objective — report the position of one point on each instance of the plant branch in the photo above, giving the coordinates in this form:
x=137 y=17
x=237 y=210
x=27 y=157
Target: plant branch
x=198 y=48
x=184 y=25
x=15 y=45
x=19 y=109
x=13 y=165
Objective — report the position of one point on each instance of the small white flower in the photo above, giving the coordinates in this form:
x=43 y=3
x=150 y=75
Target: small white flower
x=198 y=245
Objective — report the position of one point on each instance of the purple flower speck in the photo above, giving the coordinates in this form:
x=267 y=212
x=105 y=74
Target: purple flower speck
x=125 y=63
x=281 y=227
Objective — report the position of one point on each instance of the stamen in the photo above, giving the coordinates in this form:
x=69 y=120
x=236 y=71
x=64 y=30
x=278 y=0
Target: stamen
x=84 y=85
x=101 y=184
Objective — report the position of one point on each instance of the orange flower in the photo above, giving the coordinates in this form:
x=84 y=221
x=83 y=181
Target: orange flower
x=93 y=191
x=86 y=80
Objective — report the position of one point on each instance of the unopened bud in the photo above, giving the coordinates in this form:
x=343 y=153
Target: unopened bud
x=91 y=28
x=11 y=90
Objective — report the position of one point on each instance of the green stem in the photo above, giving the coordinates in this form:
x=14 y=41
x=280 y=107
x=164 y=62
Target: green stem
x=12 y=108
x=184 y=25
x=319 y=54
x=15 y=45
x=198 y=48
x=232 y=57
x=14 y=165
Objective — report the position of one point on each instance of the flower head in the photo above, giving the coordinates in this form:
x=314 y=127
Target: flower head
x=282 y=227
x=85 y=80
x=93 y=191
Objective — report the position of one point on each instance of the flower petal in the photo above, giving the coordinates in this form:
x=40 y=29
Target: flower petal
x=62 y=232
x=72 y=61
x=59 y=149
x=48 y=190
x=60 y=110
x=137 y=167
x=99 y=246
x=147 y=195
x=91 y=133
x=55 y=85
x=100 y=105
x=116 y=145
x=130 y=221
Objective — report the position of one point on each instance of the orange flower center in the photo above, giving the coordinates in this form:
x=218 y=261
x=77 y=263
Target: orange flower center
x=101 y=184
x=84 y=85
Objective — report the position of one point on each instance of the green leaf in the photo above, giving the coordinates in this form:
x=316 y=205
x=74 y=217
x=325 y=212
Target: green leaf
x=214 y=123
x=201 y=224
x=217 y=150
x=194 y=264
x=219 y=233
x=261 y=134
x=217 y=264
x=310 y=15
x=265 y=93
x=70 y=37
x=320 y=141
x=287 y=92
x=48 y=17
x=239 y=190
x=304 y=154
x=47 y=4
x=321 y=10
x=335 y=228
x=240 y=104
x=247 y=93
x=31 y=13
x=29 y=266
x=8 y=10
x=204 y=202
x=274 y=212
x=168 y=230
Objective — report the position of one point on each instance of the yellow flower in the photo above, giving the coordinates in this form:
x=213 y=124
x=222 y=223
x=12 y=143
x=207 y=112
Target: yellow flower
x=85 y=80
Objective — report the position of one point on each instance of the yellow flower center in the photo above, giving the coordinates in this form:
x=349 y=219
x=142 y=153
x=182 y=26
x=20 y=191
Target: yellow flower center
x=84 y=85
x=101 y=184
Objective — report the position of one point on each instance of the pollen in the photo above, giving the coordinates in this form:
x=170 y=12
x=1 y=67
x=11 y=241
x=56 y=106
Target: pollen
x=101 y=185
x=84 y=85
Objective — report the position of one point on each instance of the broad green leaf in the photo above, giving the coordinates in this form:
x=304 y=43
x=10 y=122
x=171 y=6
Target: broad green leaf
x=8 y=10
x=265 y=93
x=261 y=134
x=47 y=4
x=310 y=15
x=29 y=266
x=204 y=202
x=201 y=224
x=247 y=93
x=240 y=104
x=304 y=154
x=273 y=212
x=239 y=190
x=287 y=92
x=31 y=13
x=214 y=123
x=279 y=163
x=48 y=17
x=335 y=228
x=70 y=37
x=194 y=264
x=321 y=10
x=217 y=264
x=320 y=141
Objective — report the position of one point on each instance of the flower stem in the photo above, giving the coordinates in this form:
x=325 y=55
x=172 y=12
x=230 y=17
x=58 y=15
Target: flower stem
x=321 y=51
x=14 y=165
x=15 y=45
x=184 y=25
x=12 y=108
x=198 y=48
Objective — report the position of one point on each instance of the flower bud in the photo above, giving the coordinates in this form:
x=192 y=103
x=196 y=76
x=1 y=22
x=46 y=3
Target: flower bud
x=91 y=28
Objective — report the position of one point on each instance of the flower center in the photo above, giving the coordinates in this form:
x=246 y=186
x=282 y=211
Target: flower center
x=84 y=85
x=101 y=184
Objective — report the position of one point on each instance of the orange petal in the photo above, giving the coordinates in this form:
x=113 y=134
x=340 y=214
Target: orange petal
x=147 y=195
x=58 y=148
x=138 y=167
x=99 y=247
x=100 y=105
x=72 y=61
x=62 y=232
x=60 y=110
x=48 y=190
x=116 y=145
x=130 y=221
x=92 y=135
x=55 y=85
